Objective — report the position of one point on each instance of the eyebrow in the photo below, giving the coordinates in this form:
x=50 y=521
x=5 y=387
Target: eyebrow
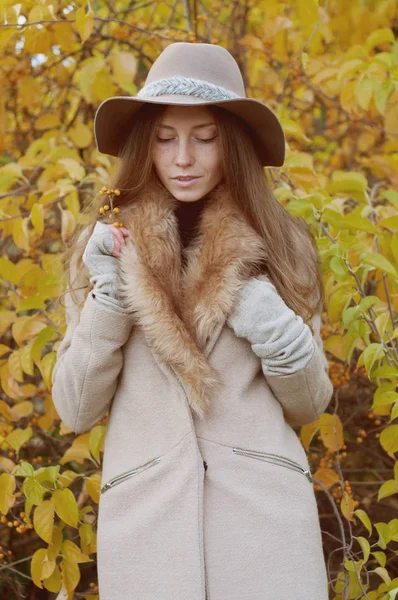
x=195 y=126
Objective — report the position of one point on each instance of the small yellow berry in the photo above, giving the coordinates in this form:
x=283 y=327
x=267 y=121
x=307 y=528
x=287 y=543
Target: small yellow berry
x=106 y=207
x=101 y=210
x=101 y=193
x=117 y=192
x=116 y=210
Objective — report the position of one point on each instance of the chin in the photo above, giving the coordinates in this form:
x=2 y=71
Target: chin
x=187 y=194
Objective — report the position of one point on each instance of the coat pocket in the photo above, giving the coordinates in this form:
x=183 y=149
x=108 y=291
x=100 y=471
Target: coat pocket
x=124 y=476
x=275 y=459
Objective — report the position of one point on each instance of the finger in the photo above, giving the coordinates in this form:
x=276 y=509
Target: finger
x=116 y=248
x=124 y=231
x=119 y=235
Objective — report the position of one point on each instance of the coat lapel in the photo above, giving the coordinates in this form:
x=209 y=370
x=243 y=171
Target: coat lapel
x=182 y=309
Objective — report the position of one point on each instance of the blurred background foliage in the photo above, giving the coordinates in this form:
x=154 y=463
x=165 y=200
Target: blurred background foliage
x=329 y=70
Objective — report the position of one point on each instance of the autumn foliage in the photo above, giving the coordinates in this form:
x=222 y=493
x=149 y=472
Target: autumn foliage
x=329 y=70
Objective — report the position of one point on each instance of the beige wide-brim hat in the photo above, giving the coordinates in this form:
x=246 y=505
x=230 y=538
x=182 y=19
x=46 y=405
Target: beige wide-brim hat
x=187 y=74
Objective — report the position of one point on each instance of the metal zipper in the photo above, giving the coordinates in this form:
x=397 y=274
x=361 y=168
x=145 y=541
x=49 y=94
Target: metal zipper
x=275 y=459
x=128 y=474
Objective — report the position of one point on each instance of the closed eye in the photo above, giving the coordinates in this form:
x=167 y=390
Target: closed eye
x=161 y=140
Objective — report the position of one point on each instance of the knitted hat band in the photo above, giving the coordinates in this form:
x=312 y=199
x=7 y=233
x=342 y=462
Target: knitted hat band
x=186 y=86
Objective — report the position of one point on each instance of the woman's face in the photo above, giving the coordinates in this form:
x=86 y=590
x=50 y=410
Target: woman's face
x=188 y=143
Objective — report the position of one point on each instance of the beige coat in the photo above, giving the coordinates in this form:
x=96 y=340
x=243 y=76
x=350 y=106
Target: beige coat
x=186 y=512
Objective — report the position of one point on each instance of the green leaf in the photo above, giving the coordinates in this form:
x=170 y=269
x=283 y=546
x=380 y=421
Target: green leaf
x=380 y=262
x=363 y=517
x=364 y=92
x=388 y=488
x=365 y=546
x=389 y=439
x=382 y=93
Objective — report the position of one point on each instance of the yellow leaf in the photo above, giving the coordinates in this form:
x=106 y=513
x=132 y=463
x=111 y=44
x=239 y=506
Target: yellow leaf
x=389 y=439
x=7 y=487
x=364 y=92
x=14 y=366
x=84 y=23
x=102 y=85
x=365 y=546
x=293 y=128
x=331 y=431
x=124 y=66
x=43 y=520
x=65 y=506
x=49 y=121
x=19 y=437
x=308 y=13
x=74 y=169
x=22 y=409
x=350 y=67
x=96 y=441
x=378 y=37
x=299 y=160
x=347 y=98
x=29 y=92
x=326 y=476
x=382 y=93
x=73 y=553
x=388 y=488
x=380 y=262
x=37 y=218
x=307 y=432
x=70 y=574
x=391 y=120
x=80 y=134
x=347 y=506
x=7 y=318
x=78 y=451
x=46 y=367
x=41 y=567
x=20 y=233
x=26 y=327
x=93 y=486
x=64 y=36
x=68 y=224
x=8 y=383
x=363 y=517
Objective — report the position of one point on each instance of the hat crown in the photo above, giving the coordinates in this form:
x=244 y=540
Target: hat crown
x=205 y=62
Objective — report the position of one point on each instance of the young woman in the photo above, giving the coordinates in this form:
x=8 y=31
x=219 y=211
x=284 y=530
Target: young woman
x=197 y=325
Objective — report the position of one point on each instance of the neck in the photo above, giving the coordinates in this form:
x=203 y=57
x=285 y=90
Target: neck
x=187 y=214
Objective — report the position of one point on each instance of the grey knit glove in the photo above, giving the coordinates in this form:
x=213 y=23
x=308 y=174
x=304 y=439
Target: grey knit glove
x=103 y=268
x=277 y=335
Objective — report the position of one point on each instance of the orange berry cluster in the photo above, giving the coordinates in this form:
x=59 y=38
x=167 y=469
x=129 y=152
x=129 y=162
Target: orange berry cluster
x=109 y=209
x=17 y=523
x=339 y=374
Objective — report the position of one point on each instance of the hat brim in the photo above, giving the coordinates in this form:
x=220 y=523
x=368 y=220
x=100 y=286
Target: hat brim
x=114 y=114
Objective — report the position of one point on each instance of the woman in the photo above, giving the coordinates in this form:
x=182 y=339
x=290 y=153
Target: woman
x=201 y=335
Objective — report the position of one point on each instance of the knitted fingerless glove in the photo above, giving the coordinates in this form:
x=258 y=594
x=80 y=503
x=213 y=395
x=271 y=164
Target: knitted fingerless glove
x=103 y=268
x=277 y=335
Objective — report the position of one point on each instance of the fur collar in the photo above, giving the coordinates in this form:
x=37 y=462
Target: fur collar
x=182 y=309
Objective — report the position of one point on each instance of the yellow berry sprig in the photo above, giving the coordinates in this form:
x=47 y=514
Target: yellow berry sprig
x=108 y=208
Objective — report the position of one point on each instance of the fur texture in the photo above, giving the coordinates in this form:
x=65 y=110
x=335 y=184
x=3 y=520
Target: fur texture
x=179 y=308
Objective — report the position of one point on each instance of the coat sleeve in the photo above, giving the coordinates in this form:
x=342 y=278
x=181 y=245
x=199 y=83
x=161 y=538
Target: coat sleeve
x=89 y=361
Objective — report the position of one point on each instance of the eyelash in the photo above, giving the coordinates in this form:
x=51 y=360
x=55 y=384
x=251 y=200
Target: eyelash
x=170 y=140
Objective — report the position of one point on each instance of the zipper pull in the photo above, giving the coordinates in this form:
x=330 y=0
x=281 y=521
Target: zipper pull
x=205 y=465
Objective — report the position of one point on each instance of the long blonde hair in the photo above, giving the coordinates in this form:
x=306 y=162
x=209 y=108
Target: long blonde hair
x=293 y=263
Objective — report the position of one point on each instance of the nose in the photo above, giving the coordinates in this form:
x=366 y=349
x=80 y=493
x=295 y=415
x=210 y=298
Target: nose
x=184 y=155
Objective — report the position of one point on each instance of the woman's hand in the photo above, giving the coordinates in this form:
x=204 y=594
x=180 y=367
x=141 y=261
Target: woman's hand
x=100 y=257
